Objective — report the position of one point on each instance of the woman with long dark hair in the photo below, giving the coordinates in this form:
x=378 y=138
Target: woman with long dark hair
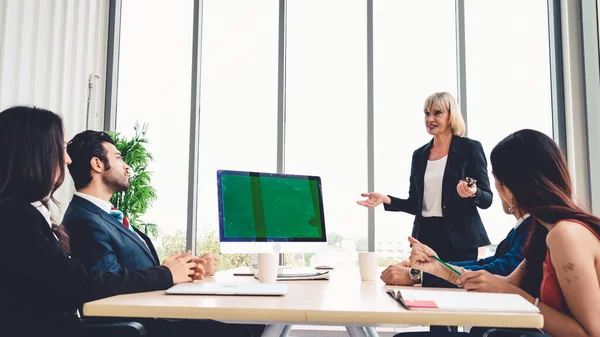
x=41 y=285
x=562 y=256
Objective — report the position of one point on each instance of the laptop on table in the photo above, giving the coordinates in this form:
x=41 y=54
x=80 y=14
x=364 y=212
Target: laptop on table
x=243 y=289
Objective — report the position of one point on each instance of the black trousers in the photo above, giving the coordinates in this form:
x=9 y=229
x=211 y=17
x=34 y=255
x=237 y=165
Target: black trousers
x=433 y=233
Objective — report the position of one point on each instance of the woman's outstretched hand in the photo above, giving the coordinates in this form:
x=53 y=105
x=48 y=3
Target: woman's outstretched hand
x=374 y=199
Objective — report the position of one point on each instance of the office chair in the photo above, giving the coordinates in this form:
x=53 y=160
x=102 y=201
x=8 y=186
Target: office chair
x=121 y=329
x=514 y=333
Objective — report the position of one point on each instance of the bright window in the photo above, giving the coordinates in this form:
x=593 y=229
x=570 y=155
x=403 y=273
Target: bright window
x=414 y=56
x=508 y=81
x=326 y=114
x=155 y=65
x=238 y=103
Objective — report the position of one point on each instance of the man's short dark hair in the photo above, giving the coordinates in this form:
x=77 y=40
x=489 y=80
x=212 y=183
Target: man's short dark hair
x=82 y=148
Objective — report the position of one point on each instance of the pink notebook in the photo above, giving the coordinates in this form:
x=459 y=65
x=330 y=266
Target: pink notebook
x=421 y=304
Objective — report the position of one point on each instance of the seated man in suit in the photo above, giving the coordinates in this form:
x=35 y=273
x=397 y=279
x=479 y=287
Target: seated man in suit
x=102 y=239
x=507 y=257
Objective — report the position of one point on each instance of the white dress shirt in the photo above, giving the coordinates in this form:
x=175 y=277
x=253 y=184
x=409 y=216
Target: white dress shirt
x=103 y=204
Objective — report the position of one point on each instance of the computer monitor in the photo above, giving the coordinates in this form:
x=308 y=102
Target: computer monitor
x=267 y=212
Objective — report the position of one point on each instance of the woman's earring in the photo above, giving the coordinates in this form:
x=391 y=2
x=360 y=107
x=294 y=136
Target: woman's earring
x=511 y=208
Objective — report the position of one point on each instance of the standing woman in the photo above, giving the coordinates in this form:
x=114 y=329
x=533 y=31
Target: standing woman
x=448 y=181
x=41 y=286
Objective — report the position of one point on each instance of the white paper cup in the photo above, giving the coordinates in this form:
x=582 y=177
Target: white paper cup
x=268 y=267
x=367 y=264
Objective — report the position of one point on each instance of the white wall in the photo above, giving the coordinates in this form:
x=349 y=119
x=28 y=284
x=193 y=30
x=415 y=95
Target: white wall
x=48 y=51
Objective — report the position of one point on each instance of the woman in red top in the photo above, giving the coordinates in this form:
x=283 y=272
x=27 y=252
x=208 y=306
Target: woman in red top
x=563 y=247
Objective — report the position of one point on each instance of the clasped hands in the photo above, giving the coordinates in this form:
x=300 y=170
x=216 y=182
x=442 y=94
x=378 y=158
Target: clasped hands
x=198 y=267
x=420 y=258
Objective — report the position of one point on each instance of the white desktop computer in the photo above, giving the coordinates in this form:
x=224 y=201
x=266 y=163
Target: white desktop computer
x=270 y=213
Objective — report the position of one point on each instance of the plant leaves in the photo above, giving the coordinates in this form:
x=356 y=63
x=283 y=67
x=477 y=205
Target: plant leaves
x=135 y=201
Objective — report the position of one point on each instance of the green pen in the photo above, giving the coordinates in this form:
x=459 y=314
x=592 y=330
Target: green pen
x=446 y=265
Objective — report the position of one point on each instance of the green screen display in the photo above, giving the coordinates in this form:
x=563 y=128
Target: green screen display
x=269 y=207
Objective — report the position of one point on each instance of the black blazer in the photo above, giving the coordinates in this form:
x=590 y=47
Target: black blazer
x=101 y=242
x=41 y=286
x=462 y=221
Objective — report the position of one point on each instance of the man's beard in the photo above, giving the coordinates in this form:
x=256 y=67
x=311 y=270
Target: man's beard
x=115 y=184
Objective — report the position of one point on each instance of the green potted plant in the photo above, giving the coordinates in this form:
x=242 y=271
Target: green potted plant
x=135 y=201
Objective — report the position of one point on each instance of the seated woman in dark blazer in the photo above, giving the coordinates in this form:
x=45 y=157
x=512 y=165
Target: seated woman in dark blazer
x=41 y=285
x=448 y=181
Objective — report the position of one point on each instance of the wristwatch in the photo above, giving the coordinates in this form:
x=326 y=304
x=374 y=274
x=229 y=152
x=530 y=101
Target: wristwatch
x=416 y=275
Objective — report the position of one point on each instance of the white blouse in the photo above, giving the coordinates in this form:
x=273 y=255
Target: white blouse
x=432 y=192
x=45 y=213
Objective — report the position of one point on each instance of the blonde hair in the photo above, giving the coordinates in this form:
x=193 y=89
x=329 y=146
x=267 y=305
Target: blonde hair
x=444 y=101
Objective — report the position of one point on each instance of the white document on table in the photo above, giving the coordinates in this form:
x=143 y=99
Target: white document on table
x=462 y=301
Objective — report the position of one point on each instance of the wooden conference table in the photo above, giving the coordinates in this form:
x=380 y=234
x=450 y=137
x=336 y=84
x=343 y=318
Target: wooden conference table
x=344 y=300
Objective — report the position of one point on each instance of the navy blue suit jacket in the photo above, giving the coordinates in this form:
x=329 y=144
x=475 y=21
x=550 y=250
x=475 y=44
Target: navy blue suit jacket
x=101 y=242
x=506 y=259
x=461 y=218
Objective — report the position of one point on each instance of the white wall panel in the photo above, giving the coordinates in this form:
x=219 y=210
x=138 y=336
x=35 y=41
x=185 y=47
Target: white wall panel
x=575 y=123
x=49 y=49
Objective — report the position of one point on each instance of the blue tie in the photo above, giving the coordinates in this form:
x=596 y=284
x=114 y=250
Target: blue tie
x=119 y=216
